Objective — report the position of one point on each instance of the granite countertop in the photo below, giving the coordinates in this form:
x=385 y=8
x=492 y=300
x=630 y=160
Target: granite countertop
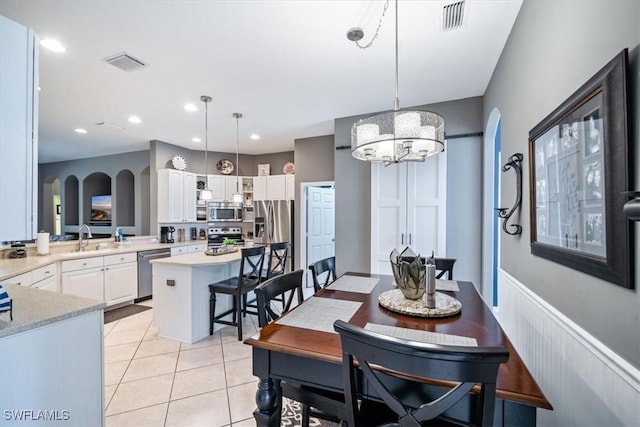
x=14 y=267
x=199 y=259
x=33 y=308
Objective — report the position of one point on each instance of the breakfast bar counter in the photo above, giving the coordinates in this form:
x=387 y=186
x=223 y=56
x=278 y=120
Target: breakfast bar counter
x=181 y=292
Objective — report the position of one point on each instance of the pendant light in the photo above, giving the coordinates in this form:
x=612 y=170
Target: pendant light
x=398 y=135
x=237 y=196
x=206 y=194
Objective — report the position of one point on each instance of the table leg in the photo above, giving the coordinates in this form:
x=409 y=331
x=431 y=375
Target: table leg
x=269 y=401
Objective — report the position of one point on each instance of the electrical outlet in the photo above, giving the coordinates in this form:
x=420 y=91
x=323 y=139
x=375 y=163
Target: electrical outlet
x=171 y=282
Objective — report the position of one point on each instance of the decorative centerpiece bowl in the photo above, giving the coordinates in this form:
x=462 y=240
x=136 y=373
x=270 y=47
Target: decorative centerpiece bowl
x=410 y=273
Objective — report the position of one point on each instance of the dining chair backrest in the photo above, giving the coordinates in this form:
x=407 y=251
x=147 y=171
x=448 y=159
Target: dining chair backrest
x=444 y=266
x=277 y=259
x=251 y=266
x=328 y=266
x=282 y=287
x=466 y=366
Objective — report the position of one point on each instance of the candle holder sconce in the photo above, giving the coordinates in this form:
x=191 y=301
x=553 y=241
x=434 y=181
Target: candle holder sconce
x=631 y=209
x=515 y=163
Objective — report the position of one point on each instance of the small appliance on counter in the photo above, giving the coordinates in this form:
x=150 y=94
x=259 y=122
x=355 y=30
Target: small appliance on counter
x=194 y=233
x=166 y=234
x=202 y=235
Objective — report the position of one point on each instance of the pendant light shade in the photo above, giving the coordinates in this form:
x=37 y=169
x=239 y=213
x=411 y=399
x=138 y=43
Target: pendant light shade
x=398 y=135
x=237 y=196
x=206 y=193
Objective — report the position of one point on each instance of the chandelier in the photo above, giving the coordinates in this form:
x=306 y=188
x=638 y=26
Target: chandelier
x=398 y=135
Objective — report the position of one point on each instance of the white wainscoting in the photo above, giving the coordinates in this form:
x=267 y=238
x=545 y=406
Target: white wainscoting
x=585 y=381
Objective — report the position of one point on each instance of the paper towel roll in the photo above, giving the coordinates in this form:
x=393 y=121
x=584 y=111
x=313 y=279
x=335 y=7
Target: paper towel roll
x=43 y=243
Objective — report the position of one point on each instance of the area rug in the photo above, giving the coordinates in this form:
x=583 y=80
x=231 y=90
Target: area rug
x=292 y=416
x=122 y=312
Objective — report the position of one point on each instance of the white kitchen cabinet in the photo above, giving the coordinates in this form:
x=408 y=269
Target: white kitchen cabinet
x=290 y=187
x=23 y=279
x=260 y=188
x=218 y=186
x=231 y=187
x=408 y=208
x=18 y=131
x=179 y=250
x=87 y=283
x=276 y=187
x=45 y=278
x=112 y=279
x=200 y=247
x=120 y=278
x=42 y=278
x=177 y=194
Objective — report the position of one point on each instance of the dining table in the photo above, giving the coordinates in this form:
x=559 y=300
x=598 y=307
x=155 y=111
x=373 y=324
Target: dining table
x=302 y=347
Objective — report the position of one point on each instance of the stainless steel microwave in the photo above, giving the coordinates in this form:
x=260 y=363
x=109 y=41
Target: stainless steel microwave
x=224 y=212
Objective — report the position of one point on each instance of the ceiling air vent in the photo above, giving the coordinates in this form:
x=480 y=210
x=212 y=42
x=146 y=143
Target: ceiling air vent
x=125 y=62
x=452 y=15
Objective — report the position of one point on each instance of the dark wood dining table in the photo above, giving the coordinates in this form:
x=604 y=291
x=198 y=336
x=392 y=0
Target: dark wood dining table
x=312 y=357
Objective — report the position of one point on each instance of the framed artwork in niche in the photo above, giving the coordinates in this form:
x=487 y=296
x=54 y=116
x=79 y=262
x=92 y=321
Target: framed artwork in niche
x=579 y=168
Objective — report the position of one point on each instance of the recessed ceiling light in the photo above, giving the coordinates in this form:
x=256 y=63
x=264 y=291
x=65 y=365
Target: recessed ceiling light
x=53 y=45
x=254 y=136
x=80 y=130
x=134 y=119
x=196 y=139
x=39 y=88
x=190 y=107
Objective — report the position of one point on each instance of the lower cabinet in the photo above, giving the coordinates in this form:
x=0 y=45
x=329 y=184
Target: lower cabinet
x=112 y=279
x=41 y=278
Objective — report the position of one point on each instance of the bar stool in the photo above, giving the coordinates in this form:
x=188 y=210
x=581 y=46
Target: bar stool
x=248 y=278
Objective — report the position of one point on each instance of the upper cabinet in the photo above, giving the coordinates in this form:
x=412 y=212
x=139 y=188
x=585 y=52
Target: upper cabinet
x=18 y=131
x=177 y=191
x=274 y=187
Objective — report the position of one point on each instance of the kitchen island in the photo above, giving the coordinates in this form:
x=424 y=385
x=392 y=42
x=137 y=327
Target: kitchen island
x=51 y=360
x=181 y=293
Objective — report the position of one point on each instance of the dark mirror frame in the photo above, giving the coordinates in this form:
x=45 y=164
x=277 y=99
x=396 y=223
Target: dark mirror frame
x=616 y=266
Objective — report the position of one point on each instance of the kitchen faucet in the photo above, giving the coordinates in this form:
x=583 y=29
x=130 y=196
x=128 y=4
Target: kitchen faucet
x=81 y=243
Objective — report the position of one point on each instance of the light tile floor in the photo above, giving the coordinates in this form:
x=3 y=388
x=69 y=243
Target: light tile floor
x=158 y=382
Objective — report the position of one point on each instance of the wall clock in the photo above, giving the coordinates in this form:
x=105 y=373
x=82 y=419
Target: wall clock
x=179 y=162
x=225 y=166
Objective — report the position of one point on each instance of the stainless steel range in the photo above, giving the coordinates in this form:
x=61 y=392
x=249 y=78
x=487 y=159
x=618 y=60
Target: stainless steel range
x=218 y=234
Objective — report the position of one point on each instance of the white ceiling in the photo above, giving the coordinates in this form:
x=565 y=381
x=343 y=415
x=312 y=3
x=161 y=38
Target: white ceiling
x=286 y=65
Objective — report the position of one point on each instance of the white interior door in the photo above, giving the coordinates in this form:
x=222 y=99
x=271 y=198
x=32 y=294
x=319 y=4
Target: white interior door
x=388 y=213
x=320 y=224
x=427 y=205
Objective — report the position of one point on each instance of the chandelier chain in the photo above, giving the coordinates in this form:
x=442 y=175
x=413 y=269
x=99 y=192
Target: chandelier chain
x=375 y=36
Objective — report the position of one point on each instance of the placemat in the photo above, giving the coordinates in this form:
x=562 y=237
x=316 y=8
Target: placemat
x=422 y=336
x=362 y=285
x=447 y=285
x=318 y=314
x=394 y=300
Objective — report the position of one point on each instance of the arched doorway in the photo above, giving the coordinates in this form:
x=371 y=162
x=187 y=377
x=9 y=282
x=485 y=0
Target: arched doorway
x=491 y=200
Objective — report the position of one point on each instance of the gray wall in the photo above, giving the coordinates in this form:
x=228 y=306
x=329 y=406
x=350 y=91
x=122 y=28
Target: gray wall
x=353 y=192
x=537 y=71
x=314 y=160
x=135 y=162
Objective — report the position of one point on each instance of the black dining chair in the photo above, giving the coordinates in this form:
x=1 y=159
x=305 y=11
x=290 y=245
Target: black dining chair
x=317 y=403
x=277 y=263
x=328 y=266
x=248 y=278
x=444 y=266
x=403 y=362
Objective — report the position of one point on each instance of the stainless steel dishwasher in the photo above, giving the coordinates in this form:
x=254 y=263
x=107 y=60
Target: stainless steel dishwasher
x=145 y=277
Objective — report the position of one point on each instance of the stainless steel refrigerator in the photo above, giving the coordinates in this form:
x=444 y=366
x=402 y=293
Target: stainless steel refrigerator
x=273 y=223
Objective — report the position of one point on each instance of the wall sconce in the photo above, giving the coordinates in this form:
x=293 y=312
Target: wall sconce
x=515 y=163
